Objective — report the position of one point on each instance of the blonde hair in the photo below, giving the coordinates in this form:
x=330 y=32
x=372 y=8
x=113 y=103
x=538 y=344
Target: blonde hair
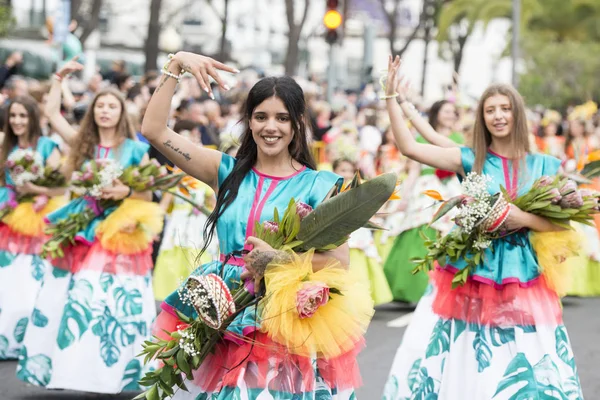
x=482 y=138
x=88 y=136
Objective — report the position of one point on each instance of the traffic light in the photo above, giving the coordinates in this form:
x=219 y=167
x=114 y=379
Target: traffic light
x=332 y=21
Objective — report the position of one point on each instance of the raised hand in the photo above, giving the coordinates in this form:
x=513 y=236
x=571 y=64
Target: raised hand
x=70 y=67
x=202 y=67
x=392 y=75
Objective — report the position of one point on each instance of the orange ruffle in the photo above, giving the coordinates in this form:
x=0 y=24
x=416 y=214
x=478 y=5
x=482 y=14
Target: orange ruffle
x=260 y=356
x=480 y=303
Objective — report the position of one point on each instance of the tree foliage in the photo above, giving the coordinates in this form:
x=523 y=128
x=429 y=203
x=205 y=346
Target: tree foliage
x=7 y=21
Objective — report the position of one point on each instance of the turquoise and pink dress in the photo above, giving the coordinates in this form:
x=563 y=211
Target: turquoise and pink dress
x=22 y=270
x=95 y=310
x=500 y=336
x=239 y=369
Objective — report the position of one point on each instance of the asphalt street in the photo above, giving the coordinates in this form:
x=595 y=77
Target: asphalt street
x=582 y=319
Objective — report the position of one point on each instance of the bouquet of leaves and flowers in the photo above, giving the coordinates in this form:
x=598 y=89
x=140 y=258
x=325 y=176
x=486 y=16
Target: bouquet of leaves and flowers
x=89 y=182
x=481 y=216
x=25 y=165
x=295 y=301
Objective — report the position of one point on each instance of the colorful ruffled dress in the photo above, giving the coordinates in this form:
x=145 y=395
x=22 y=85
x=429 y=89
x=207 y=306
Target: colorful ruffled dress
x=95 y=310
x=181 y=244
x=500 y=336
x=22 y=270
x=247 y=364
x=366 y=262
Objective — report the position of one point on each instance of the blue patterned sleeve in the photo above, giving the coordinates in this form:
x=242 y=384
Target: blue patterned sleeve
x=467 y=158
x=322 y=184
x=225 y=167
x=45 y=147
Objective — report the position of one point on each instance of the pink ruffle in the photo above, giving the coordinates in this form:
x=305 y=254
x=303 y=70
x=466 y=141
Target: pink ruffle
x=100 y=259
x=258 y=356
x=480 y=303
x=15 y=242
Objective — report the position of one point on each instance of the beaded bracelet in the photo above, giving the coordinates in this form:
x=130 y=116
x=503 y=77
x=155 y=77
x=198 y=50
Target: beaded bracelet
x=389 y=96
x=165 y=69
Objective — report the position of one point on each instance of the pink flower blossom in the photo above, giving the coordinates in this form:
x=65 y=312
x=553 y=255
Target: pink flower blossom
x=467 y=200
x=19 y=169
x=87 y=176
x=568 y=187
x=312 y=296
x=10 y=164
x=155 y=162
x=27 y=157
x=35 y=169
x=271 y=226
x=572 y=200
x=135 y=173
x=303 y=209
x=76 y=176
x=150 y=180
x=556 y=197
x=162 y=171
x=587 y=193
x=545 y=181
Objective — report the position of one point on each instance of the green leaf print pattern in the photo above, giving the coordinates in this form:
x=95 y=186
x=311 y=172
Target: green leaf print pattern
x=459 y=327
x=6 y=258
x=426 y=388
x=106 y=281
x=542 y=381
x=3 y=346
x=38 y=319
x=36 y=370
x=500 y=336
x=562 y=345
x=59 y=273
x=413 y=375
x=78 y=311
x=19 y=332
x=111 y=334
x=440 y=338
x=133 y=373
x=38 y=268
x=483 y=353
x=130 y=302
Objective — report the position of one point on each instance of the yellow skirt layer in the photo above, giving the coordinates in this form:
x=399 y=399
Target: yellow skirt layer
x=115 y=232
x=334 y=328
x=553 y=249
x=26 y=221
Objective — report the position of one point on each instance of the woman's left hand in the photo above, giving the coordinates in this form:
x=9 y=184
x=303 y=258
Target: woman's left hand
x=30 y=188
x=118 y=191
x=258 y=247
x=516 y=219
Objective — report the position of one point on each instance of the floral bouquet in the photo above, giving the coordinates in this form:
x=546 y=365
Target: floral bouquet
x=301 y=309
x=94 y=176
x=25 y=165
x=481 y=216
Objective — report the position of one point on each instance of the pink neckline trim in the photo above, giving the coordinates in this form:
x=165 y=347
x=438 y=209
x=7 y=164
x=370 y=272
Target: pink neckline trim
x=278 y=178
x=498 y=155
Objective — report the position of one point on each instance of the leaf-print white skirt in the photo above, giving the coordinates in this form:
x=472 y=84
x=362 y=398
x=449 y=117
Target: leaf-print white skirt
x=450 y=359
x=94 y=325
x=21 y=276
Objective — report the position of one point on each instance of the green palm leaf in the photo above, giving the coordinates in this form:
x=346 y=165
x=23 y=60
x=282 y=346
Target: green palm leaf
x=339 y=216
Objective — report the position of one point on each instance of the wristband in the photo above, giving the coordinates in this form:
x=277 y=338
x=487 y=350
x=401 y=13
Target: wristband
x=130 y=192
x=58 y=77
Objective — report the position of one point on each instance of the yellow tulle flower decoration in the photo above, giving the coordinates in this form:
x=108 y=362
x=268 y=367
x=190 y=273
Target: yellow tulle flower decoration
x=24 y=219
x=297 y=315
x=584 y=112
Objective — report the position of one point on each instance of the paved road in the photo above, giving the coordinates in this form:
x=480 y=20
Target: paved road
x=581 y=317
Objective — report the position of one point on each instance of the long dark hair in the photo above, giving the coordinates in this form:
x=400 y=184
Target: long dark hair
x=290 y=93
x=34 y=130
x=434 y=112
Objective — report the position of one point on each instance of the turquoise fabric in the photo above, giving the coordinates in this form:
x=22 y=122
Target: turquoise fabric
x=45 y=146
x=129 y=153
x=513 y=258
x=308 y=186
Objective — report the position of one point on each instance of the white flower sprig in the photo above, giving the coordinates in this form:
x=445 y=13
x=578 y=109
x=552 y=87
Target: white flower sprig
x=25 y=165
x=479 y=206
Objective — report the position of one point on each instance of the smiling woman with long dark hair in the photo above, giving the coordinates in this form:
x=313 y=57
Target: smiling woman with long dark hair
x=273 y=165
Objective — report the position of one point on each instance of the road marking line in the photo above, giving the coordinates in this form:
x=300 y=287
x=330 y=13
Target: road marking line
x=400 y=322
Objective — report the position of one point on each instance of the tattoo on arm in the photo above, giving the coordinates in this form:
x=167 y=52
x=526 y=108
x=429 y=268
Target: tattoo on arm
x=165 y=77
x=170 y=145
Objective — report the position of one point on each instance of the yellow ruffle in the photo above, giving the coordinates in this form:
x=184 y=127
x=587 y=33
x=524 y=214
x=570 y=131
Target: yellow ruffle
x=26 y=221
x=553 y=249
x=146 y=215
x=334 y=328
